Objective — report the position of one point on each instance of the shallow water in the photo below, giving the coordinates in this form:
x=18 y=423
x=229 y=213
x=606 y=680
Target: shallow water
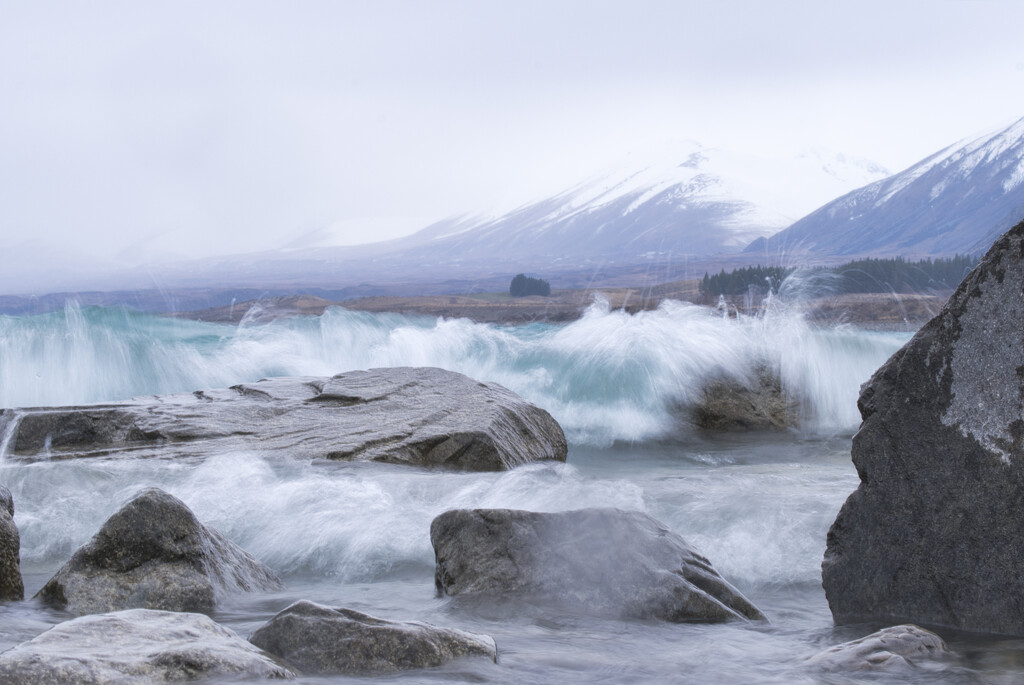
x=357 y=535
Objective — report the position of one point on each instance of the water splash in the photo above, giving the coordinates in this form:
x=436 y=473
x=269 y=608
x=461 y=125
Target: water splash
x=608 y=376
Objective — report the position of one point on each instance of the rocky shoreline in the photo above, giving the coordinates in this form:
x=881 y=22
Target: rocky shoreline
x=904 y=312
x=932 y=535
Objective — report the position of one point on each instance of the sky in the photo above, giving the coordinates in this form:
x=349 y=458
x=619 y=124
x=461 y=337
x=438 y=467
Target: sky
x=134 y=131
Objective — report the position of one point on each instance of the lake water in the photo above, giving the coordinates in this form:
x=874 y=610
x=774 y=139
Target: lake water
x=357 y=535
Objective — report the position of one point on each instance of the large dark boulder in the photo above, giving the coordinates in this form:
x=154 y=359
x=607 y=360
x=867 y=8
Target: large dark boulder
x=419 y=416
x=934 y=534
x=153 y=553
x=138 y=645
x=11 y=586
x=316 y=639
x=603 y=561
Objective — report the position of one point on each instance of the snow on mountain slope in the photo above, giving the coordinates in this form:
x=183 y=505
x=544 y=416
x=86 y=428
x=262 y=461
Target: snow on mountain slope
x=958 y=200
x=687 y=200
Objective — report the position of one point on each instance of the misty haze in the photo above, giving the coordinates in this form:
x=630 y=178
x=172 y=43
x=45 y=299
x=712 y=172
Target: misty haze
x=561 y=342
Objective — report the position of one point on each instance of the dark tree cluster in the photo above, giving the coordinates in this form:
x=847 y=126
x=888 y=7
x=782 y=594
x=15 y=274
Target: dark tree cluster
x=741 y=281
x=522 y=285
x=859 y=276
x=901 y=276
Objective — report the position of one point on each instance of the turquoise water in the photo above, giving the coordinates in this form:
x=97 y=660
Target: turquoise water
x=356 y=535
x=607 y=377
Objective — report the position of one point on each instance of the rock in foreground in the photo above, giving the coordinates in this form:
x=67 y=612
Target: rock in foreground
x=138 y=645
x=603 y=561
x=891 y=649
x=316 y=639
x=759 y=404
x=153 y=553
x=420 y=416
x=11 y=586
x=934 y=533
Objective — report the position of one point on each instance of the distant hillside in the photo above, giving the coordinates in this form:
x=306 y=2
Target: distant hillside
x=685 y=201
x=957 y=201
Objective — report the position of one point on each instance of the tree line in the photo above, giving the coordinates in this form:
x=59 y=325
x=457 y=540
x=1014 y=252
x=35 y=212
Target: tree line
x=872 y=275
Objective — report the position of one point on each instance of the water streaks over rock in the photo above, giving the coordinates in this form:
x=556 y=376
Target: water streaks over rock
x=604 y=561
x=138 y=645
x=891 y=649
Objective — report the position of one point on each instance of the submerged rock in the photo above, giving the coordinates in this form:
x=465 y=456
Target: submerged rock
x=11 y=586
x=420 y=416
x=316 y=639
x=604 y=561
x=758 y=405
x=934 y=533
x=895 y=648
x=133 y=646
x=153 y=553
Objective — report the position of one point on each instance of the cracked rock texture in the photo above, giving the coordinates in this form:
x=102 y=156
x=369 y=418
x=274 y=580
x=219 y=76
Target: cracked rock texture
x=316 y=639
x=754 y=404
x=153 y=553
x=601 y=561
x=136 y=646
x=934 y=534
x=11 y=587
x=420 y=416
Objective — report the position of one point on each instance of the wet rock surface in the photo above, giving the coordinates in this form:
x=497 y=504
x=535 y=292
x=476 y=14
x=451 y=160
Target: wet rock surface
x=729 y=405
x=934 y=532
x=153 y=553
x=11 y=586
x=891 y=649
x=316 y=639
x=138 y=645
x=602 y=561
x=420 y=416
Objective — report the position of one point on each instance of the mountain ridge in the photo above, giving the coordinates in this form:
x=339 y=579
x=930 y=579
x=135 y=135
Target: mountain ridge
x=689 y=200
x=955 y=201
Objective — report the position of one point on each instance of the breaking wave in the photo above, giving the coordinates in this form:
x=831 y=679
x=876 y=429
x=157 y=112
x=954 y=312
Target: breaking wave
x=609 y=376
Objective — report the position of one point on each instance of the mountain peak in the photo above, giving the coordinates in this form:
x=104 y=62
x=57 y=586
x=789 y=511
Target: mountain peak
x=682 y=199
x=957 y=200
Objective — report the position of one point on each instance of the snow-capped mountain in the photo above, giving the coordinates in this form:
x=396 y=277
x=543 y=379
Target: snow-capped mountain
x=685 y=200
x=958 y=200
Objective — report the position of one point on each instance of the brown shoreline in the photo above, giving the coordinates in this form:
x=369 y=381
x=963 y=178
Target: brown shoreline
x=875 y=311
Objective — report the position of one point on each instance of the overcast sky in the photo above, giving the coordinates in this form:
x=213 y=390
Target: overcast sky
x=139 y=129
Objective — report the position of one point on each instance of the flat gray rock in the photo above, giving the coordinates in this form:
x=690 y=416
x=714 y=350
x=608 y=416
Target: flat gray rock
x=603 y=561
x=934 y=533
x=420 y=416
x=11 y=586
x=136 y=646
x=897 y=648
x=153 y=553
x=316 y=639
